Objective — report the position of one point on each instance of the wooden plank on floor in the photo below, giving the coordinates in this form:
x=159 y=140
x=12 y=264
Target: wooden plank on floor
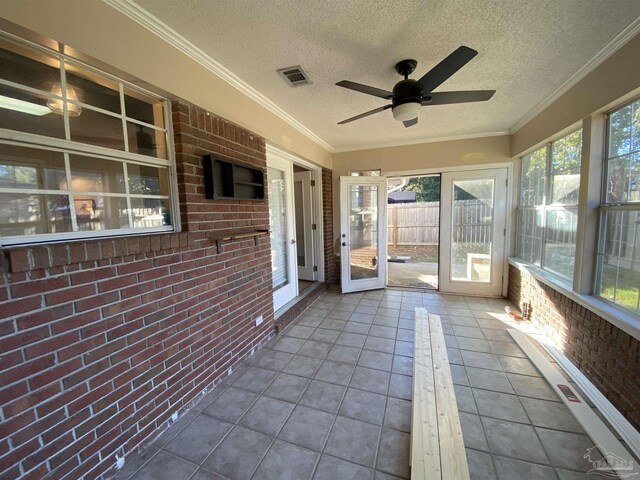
x=425 y=446
x=453 y=457
x=592 y=424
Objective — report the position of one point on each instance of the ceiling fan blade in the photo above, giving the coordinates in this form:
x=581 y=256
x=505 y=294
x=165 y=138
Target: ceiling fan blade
x=358 y=87
x=410 y=123
x=444 y=98
x=365 y=114
x=447 y=67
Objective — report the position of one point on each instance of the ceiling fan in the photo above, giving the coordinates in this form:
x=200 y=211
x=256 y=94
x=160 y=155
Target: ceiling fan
x=409 y=95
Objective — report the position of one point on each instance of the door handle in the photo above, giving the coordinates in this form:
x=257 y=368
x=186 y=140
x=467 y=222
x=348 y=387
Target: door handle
x=293 y=241
x=345 y=244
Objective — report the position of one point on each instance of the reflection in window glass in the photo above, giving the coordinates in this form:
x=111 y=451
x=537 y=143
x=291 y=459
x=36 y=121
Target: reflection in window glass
x=28 y=112
x=146 y=180
x=97 y=212
x=31 y=168
x=89 y=174
x=144 y=108
x=146 y=141
x=93 y=90
x=150 y=212
x=28 y=214
x=28 y=67
x=97 y=129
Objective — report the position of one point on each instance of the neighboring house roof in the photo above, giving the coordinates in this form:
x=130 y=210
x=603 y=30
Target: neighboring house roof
x=402 y=197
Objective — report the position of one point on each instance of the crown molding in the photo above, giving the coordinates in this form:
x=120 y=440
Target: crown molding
x=169 y=35
x=601 y=55
x=419 y=141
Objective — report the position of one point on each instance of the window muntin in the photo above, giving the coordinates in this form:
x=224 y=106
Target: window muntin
x=618 y=257
x=93 y=153
x=547 y=214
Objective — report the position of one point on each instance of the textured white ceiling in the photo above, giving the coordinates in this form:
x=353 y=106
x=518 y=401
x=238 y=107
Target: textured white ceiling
x=527 y=49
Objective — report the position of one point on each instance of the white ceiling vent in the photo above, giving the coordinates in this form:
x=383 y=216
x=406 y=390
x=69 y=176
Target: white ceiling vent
x=294 y=76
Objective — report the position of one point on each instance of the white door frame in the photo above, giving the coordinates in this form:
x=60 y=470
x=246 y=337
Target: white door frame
x=499 y=238
x=307 y=242
x=349 y=285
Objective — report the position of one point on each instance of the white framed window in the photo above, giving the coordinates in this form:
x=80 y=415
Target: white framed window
x=618 y=257
x=548 y=206
x=82 y=153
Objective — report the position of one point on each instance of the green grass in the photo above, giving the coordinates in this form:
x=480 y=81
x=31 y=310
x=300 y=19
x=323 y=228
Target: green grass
x=628 y=291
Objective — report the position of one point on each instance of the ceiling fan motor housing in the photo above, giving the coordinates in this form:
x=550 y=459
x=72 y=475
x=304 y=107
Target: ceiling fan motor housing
x=406 y=91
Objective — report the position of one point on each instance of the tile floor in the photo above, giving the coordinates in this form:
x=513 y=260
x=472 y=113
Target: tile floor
x=329 y=398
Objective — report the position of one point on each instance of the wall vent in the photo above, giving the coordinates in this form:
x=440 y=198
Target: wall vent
x=294 y=76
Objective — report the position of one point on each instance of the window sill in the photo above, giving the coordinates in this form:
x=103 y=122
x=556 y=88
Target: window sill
x=626 y=322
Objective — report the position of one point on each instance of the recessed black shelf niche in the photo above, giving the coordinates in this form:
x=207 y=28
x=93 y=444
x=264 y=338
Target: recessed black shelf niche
x=226 y=179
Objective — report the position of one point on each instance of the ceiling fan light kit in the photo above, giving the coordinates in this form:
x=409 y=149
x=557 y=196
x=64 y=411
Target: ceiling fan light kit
x=409 y=95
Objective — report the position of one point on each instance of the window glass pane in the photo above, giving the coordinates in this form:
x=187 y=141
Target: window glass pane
x=619 y=259
x=363 y=232
x=278 y=223
x=560 y=242
x=146 y=180
x=97 y=212
x=620 y=132
x=87 y=87
x=618 y=179
x=89 y=174
x=150 y=212
x=144 y=108
x=28 y=112
x=146 y=140
x=27 y=67
x=529 y=246
x=97 y=129
x=31 y=168
x=26 y=214
x=472 y=227
x=565 y=165
x=534 y=167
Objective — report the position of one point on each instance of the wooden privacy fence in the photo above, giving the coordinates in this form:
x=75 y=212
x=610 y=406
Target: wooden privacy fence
x=419 y=223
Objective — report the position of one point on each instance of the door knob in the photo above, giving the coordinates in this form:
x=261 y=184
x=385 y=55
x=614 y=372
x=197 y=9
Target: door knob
x=345 y=244
x=293 y=241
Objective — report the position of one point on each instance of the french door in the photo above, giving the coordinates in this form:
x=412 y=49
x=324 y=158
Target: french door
x=472 y=231
x=363 y=236
x=281 y=220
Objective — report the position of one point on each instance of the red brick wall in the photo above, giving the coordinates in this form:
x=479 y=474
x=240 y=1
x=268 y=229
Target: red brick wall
x=609 y=357
x=331 y=264
x=102 y=341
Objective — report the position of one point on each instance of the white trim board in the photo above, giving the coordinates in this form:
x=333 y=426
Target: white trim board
x=628 y=433
x=592 y=424
x=173 y=38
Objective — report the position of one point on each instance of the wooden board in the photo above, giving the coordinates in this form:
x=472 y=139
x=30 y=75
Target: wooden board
x=437 y=446
x=453 y=457
x=425 y=446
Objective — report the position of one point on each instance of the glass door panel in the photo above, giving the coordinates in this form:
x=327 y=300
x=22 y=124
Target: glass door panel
x=473 y=232
x=364 y=232
x=281 y=221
